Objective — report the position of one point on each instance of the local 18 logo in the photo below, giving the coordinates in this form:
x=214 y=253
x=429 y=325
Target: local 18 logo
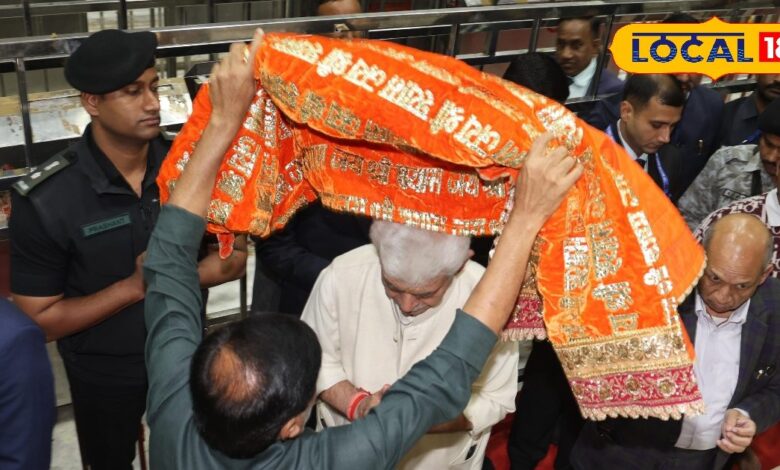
x=714 y=48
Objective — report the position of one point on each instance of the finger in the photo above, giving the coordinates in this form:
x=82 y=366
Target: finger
x=568 y=180
x=727 y=446
x=731 y=419
x=742 y=431
x=564 y=164
x=540 y=144
x=236 y=53
x=557 y=154
x=738 y=440
x=257 y=39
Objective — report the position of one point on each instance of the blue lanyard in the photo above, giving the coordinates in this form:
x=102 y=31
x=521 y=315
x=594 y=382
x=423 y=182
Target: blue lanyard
x=656 y=157
x=752 y=138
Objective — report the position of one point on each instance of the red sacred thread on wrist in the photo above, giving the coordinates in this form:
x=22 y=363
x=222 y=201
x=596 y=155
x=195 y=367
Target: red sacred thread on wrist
x=357 y=398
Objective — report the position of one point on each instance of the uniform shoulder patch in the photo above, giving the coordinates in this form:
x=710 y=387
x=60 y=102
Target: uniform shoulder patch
x=32 y=179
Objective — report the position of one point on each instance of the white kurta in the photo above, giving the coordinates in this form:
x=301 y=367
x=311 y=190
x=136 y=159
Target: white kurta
x=368 y=342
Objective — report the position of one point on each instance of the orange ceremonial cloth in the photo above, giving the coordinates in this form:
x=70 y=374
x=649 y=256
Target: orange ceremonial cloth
x=379 y=129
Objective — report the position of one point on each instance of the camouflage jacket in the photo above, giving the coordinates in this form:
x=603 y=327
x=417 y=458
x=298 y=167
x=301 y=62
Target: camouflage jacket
x=727 y=177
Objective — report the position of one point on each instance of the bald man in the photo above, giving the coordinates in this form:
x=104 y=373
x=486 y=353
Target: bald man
x=338 y=7
x=732 y=319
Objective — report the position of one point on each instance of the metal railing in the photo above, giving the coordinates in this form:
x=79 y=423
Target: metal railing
x=481 y=36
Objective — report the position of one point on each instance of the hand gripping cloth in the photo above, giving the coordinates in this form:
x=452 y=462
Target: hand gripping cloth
x=394 y=133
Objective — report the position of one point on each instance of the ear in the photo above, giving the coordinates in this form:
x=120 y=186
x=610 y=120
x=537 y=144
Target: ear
x=90 y=103
x=292 y=428
x=766 y=274
x=626 y=110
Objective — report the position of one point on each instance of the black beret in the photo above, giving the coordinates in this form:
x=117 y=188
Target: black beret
x=769 y=121
x=110 y=59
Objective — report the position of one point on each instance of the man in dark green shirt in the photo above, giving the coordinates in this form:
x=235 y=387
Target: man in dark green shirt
x=190 y=423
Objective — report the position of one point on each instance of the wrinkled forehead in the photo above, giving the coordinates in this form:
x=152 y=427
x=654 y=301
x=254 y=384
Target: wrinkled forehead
x=426 y=287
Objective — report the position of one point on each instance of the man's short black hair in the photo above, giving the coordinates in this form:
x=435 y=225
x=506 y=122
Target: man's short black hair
x=540 y=73
x=641 y=88
x=594 y=22
x=249 y=378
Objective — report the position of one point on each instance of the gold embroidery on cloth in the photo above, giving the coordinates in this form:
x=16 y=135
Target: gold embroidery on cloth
x=419 y=180
x=644 y=234
x=461 y=184
x=313 y=107
x=606 y=261
x=644 y=350
x=468 y=227
x=435 y=72
x=616 y=296
x=383 y=211
x=366 y=76
x=346 y=161
x=575 y=261
x=301 y=48
x=342 y=119
x=409 y=96
x=379 y=172
x=336 y=62
x=474 y=136
x=230 y=183
x=285 y=92
x=624 y=322
x=219 y=211
x=243 y=160
x=448 y=118
x=423 y=220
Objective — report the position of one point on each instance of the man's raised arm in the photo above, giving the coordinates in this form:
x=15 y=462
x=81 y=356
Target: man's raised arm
x=543 y=182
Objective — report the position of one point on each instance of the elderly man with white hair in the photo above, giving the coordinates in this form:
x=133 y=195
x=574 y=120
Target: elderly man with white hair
x=379 y=309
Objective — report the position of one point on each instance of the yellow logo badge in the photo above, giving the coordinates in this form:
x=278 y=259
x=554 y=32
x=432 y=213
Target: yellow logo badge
x=714 y=48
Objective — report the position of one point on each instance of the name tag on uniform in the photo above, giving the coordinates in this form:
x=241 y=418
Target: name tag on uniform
x=105 y=225
x=733 y=195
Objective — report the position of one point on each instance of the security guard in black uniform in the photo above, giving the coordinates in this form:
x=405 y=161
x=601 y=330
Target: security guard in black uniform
x=79 y=228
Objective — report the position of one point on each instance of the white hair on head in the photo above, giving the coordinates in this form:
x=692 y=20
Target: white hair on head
x=417 y=256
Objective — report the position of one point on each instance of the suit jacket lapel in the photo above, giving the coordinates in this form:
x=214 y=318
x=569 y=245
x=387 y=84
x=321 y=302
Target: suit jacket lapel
x=689 y=316
x=752 y=341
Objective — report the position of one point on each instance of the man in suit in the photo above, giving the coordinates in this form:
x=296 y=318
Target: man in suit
x=27 y=410
x=696 y=134
x=576 y=50
x=736 y=333
x=740 y=117
x=651 y=107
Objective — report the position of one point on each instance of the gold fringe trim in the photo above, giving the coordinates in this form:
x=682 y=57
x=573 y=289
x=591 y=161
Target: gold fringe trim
x=523 y=334
x=695 y=281
x=665 y=413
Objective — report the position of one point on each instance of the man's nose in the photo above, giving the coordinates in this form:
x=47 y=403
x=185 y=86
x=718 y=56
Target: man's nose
x=665 y=135
x=406 y=302
x=151 y=100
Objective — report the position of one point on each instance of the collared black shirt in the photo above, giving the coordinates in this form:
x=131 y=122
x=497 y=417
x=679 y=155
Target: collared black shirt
x=740 y=122
x=78 y=232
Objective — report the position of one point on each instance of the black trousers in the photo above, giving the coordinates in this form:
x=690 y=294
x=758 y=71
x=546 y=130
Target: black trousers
x=544 y=404
x=108 y=420
x=596 y=450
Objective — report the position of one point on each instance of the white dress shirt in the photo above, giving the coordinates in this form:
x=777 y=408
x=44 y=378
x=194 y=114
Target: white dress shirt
x=772 y=209
x=716 y=367
x=644 y=157
x=580 y=82
x=366 y=340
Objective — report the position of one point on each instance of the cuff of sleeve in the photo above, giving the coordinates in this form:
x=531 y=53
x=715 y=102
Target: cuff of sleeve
x=478 y=414
x=469 y=340
x=329 y=378
x=176 y=225
x=745 y=413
